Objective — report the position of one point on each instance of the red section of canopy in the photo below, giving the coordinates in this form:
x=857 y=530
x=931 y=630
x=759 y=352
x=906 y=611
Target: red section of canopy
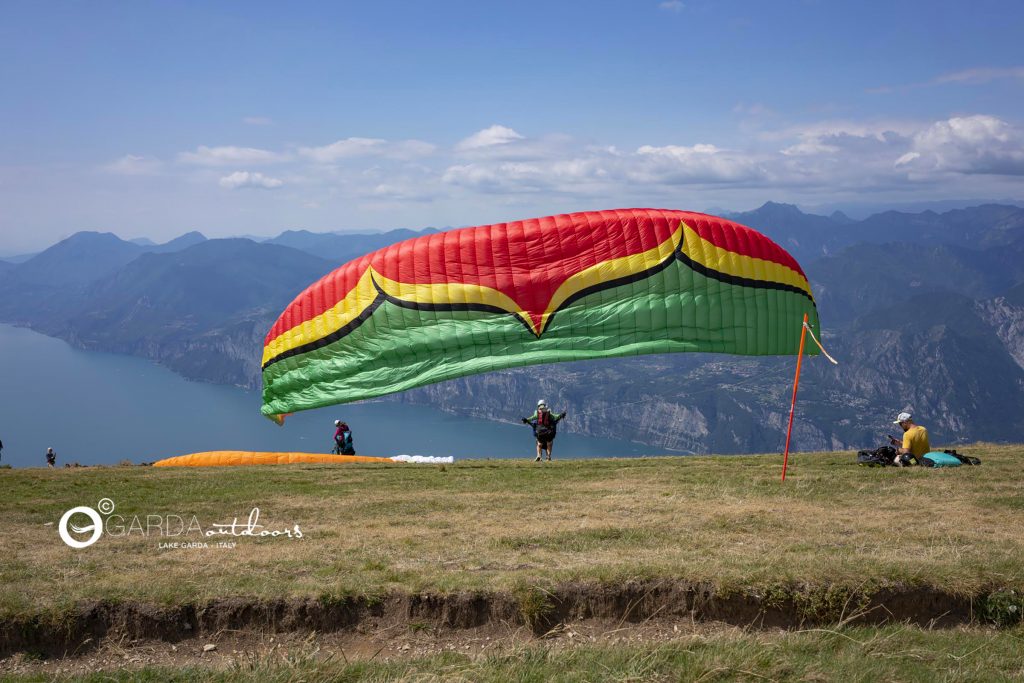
x=526 y=260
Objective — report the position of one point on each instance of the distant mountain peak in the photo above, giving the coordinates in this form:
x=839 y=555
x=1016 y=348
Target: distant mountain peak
x=92 y=236
x=778 y=207
x=189 y=238
x=80 y=258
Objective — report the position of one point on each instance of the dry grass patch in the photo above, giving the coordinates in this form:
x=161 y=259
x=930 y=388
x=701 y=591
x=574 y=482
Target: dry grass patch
x=496 y=525
x=893 y=653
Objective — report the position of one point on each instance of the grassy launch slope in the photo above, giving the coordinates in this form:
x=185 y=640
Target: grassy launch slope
x=378 y=587
x=368 y=530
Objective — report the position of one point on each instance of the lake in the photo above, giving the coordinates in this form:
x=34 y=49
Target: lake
x=100 y=408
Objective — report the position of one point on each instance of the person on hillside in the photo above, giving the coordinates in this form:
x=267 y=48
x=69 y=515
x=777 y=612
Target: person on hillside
x=343 y=439
x=545 y=426
x=1 y=451
x=51 y=457
x=915 y=438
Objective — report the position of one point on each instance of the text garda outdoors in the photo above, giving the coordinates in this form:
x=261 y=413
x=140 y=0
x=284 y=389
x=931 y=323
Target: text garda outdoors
x=82 y=526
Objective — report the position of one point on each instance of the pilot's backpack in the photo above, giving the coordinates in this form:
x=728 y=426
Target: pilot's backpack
x=947 y=459
x=880 y=457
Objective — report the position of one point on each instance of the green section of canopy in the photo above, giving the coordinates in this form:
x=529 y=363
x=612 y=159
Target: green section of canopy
x=674 y=310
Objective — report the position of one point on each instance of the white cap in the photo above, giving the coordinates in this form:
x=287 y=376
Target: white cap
x=903 y=417
x=337 y=423
x=541 y=402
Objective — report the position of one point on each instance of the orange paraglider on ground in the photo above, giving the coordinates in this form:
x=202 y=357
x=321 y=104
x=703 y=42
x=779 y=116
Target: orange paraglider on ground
x=234 y=458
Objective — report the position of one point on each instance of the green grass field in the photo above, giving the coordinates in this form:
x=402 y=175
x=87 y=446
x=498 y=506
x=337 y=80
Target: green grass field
x=494 y=525
x=522 y=528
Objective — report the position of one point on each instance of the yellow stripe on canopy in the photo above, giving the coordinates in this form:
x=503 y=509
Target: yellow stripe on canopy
x=336 y=317
x=716 y=258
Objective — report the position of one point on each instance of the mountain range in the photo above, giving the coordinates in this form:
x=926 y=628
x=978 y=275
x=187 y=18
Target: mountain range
x=923 y=310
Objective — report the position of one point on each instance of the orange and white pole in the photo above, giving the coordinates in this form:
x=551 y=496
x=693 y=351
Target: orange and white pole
x=792 y=405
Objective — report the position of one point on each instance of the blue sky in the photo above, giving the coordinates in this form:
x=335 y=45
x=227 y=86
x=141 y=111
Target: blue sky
x=152 y=119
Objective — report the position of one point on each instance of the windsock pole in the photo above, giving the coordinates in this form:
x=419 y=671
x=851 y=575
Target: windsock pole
x=792 y=405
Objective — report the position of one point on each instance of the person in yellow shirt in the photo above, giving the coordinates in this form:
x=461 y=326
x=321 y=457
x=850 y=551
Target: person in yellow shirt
x=915 y=437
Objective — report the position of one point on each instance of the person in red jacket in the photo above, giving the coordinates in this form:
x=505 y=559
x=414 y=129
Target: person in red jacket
x=343 y=439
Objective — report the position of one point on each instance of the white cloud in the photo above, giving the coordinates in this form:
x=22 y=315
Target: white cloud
x=342 y=149
x=908 y=158
x=671 y=6
x=969 y=145
x=243 y=179
x=230 y=156
x=488 y=137
x=839 y=156
x=826 y=157
x=595 y=171
x=256 y=121
x=823 y=130
x=131 y=164
x=567 y=176
x=701 y=163
x=498 y=178
x=500 y=166
x=844 y=139
x=810 y=147
x=498 y=144
x=360 y=147
x=842 y=153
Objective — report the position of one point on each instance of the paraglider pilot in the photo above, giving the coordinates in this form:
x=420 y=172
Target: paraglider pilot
x=545 y=426
x=343 y=439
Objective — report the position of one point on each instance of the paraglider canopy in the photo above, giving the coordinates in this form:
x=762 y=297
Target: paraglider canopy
x=568 y=287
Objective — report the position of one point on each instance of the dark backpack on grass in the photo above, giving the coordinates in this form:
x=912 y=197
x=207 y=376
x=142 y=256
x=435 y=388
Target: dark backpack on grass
x=880 y=457
x=966 y=459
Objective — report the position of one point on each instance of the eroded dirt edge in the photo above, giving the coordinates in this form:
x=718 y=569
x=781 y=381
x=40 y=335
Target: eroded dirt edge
x=537 y=611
